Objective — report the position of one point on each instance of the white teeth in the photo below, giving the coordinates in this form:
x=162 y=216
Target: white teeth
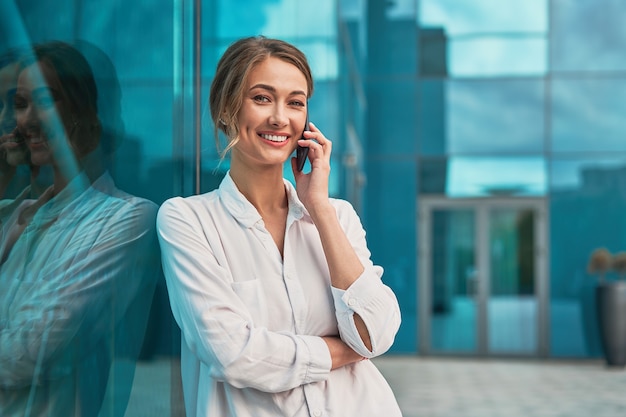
x=275 y=138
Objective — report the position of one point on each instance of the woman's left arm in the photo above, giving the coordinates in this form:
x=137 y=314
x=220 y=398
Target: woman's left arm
x=367 y=310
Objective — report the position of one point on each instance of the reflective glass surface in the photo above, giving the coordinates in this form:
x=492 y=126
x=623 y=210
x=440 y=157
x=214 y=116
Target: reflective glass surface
x=489 y=56
x=485 y=16
x=588 y=35
x=512 y=306
x=454 y=282
x=459 y=99
x=489 y=37
x=494 y=117
x=588 y=114
x=485 y=176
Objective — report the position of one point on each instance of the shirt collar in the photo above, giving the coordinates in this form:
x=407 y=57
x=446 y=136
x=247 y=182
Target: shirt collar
x=245 y=213
x=52 y=205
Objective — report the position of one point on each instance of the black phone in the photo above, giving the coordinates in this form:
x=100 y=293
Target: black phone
x=301 y=151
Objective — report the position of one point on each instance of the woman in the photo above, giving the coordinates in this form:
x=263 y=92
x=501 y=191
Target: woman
x=74 y=291
x=273 y=287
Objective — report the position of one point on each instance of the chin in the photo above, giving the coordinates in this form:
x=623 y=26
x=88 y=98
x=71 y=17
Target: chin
x=38 y=159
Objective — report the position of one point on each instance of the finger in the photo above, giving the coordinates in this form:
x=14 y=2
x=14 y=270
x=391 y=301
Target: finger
x=313 y=127
x=317 y=138
x=315 y=133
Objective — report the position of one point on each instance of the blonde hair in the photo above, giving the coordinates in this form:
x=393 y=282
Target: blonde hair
x=231 y=76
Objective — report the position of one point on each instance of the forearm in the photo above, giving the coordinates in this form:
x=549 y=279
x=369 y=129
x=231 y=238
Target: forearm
x=341 y=354
x=344 y=264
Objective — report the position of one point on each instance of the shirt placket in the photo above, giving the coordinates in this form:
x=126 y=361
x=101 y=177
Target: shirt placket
x=312 y=392
x=267 y=241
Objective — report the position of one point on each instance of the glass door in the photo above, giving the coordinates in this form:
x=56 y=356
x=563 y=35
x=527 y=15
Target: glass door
x=482 y=277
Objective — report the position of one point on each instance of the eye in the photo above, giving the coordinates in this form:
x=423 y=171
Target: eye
x=44 y=101
x=261 y=99
x=297 y=103
x=19 y=103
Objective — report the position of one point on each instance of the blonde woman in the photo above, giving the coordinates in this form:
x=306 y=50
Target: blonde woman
x=272 y=286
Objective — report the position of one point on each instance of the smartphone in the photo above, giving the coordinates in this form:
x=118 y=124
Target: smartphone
x=301 y=151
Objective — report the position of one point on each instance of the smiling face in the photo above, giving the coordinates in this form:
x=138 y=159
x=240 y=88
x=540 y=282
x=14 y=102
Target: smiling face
x=42 y=117
x=272 y=115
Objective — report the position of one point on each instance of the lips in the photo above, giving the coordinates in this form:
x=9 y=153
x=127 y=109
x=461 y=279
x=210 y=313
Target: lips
x=11 y=140
x=274 y=138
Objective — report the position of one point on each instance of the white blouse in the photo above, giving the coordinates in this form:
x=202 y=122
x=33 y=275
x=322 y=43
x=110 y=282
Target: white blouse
x=252 y=321
x=75 y=290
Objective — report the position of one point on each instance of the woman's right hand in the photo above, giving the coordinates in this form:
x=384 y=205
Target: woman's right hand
x=312 y=187
x=340 y=353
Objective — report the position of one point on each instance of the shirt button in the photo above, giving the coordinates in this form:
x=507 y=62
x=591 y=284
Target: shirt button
x=352 y=302
x=317 y=413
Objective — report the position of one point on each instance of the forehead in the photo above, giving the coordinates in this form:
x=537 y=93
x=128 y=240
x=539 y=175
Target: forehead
x=279 y=74
x=8 y=76
x=38 y=75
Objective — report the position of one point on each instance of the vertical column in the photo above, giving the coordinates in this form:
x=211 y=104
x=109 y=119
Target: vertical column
x=389 y=207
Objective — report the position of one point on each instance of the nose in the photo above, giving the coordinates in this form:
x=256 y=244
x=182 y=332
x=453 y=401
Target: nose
x=27 y=117
x=278 y=117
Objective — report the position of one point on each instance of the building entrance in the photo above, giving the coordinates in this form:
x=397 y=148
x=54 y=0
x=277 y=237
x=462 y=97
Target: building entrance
x=483 y=286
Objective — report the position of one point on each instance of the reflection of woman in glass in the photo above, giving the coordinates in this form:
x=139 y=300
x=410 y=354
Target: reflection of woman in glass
x=73 y=260
x=12 y=150
x=273 y=286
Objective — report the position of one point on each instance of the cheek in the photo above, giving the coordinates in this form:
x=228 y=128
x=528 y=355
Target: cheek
x=20 y=118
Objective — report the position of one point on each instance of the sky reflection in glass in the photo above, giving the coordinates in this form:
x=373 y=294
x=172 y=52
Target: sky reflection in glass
x=486 y=176
x=491 y=37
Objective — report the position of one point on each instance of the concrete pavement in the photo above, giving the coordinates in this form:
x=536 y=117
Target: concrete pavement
x=450 y=387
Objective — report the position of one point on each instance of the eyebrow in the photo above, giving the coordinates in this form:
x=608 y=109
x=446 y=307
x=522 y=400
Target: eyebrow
x=38 y=91
x=273 y=90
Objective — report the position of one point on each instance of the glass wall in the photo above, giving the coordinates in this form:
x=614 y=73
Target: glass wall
x=104 y=116
x=460 y=100
x=524 y=99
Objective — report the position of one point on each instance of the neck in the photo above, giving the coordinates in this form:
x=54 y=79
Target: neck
x=263 y=187
x=60 y=180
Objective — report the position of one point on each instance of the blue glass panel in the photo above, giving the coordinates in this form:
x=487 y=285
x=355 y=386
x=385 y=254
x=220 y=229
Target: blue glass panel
x=432 y=125
x=276 y=18
x=392 y=125
x=490 y=176
x=117 y=111
x=454 y=281
x=489 y=37
x=485 y=16
x=494 y=117
x=389 y=219
x=588 y=114
x=497 y=56
x=588 y=35
x=586 y=212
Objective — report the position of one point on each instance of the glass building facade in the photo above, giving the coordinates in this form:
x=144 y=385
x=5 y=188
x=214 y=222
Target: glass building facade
x=483 y=144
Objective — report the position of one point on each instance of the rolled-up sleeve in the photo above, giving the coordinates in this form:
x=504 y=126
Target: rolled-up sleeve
x=368 y=297
x=377 y=306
